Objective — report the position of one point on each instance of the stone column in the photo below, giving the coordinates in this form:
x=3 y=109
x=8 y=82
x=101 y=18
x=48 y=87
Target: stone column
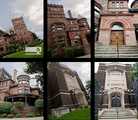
x=123 y=100
x=25 y=101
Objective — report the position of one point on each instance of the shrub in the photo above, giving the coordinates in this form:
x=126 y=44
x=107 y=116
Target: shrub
x=69 y=52
x=49 y=52
x=86 y=106
x=6 y=53
x=16 y=50
x=18 y=115
x=33 y=114
x=12 y=50
x=12 y=110
x=9 y=51
x=11 y=46
x=81 y=107
x=69 y=109
x=16 y=46
x=28 y=115
x=10 y=116
x=62 y=44
x=53 y=51
x=77 y=50
x=19 y=48
x=50 y=117
x=5 y=107
x=1 y=55
x=89 y=101
x=55 y=55
x=39 y=104
x=4 y=115
x=19 y=105
x=38 y=114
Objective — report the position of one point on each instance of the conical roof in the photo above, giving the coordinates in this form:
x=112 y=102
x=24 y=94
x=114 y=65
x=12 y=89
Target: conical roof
x=80 y=17
x=23 y=74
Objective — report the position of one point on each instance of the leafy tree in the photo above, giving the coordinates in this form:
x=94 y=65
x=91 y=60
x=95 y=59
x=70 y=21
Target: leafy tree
x=5 y=107
x=88 y=86
x=61 y=45
x=39 y=104
x=18 y=105
x=134 y=68
x=36 y=67
x=34 y=36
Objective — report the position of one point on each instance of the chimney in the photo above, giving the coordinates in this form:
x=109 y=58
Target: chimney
x=70 y=15
x=15 y=75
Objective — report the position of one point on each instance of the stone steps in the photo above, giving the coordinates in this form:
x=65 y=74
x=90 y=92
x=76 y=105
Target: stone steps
x=111 y=51
x=112 y=114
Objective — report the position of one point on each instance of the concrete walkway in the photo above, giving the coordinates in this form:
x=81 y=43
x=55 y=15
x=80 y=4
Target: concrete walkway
x=85 y=56
x=34 y=118
x=120 y=119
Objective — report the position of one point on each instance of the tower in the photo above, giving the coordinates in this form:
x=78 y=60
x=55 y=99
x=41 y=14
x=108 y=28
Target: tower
x=21 y=30
x=15 y=75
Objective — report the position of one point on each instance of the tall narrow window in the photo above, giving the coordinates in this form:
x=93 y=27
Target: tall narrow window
x=69 y=22
x=113 y=4
x=121 y=4
x=0 y=39
x=74 y=22
x=58 y=9
x=117 y=4
x=20 y=90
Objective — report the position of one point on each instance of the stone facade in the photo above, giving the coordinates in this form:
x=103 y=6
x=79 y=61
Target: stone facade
x=61 y=84
x=116 y=13
x=60 y=28
x=115 y=79
x=17 y=35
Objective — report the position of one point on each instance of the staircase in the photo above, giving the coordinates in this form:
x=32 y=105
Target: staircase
x=110 y=51
x=112 y=114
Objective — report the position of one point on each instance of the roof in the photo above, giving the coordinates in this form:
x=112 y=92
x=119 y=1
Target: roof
x=14 y=85
x=23 y=74
x=34 y=86
x=80 y=17
x=8 y=31
x=133 y=3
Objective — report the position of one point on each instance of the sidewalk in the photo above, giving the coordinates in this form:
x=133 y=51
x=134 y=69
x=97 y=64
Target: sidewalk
x=85 y=56
x=120 y=119
x=36 y=118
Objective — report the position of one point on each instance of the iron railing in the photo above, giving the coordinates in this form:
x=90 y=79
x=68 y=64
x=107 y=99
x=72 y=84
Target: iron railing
x=97 y=88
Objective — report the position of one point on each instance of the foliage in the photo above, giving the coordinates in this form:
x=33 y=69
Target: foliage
x=89 y=101
x=4 y=115
x=18 y=115
x=33 y=114
x=62 y=44
x=69 y=109
x=88 y=86
x=81 y=107
x=50 y=117
x=28 y=115
x=12 y=50
x=55 y=55
x=134 y=68
x=5 y=107
x=53 y=51
x=9 y=47
x=18 y=105
x=49 y=52
x=36 y=67
x=39 y=103
x=69 y=52
x=49 y=64
x=10 y=116
x=86 y=106
x=16 y=46
x=77 y=50
x=1 y=55
x=20 y=48
x=34 y=36
x=6 y=53
x=38 y=114
x=12 y=110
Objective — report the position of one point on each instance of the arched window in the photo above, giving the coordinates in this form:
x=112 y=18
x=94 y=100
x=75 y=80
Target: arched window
x=117 y=27
x=77 y=37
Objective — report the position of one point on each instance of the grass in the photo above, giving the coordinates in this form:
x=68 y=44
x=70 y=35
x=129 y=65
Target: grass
x=83 y=114
x=22 y=54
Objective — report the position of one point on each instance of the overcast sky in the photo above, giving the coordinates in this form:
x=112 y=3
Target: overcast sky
x=30 y=10
x=83 y=7
x=82 y=68
x=10 y=66
x=96 y=64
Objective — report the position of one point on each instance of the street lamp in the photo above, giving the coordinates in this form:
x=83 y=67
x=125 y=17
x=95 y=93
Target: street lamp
x=101 y=97
x=117 y=48
x=131 y=97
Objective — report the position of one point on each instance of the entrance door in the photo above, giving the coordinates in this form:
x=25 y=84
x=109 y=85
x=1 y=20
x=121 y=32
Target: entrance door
x=114 y=35
x=116 y=101
x=79 y=42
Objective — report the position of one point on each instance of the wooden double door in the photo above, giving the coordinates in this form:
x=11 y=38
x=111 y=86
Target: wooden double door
x=114 y=35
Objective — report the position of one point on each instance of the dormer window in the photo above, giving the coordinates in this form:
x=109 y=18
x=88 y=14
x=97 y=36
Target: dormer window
x=11 y=31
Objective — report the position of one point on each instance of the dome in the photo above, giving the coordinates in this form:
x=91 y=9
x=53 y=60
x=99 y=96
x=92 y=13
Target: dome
x=80 y=17
x=23 y=74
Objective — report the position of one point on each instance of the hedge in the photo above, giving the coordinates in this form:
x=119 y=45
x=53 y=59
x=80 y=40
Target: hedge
x=69 y=52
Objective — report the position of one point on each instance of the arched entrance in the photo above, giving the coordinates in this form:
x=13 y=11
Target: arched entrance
x=116 y=101
x=117 y=34
x=78 y=40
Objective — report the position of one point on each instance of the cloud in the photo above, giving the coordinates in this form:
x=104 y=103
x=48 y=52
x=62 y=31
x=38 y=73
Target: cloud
x=32 y=9
x=40 y=33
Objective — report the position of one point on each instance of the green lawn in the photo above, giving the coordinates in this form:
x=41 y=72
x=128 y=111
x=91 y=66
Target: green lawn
x=83 y=114
x=22 y=54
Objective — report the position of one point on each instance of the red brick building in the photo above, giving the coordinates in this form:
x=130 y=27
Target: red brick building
x=74 y=31
x=12 y=90
x=113 y=19
x=16 y=35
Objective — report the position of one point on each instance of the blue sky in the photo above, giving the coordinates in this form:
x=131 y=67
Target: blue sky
x=30 y=10
x=10 y=66
x=83 y=7
x=82 y=68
